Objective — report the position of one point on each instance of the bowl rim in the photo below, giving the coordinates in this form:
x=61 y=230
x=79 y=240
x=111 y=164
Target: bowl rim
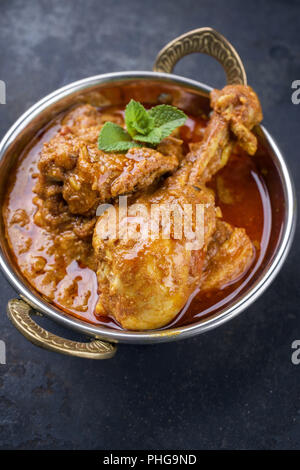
x=227 y=313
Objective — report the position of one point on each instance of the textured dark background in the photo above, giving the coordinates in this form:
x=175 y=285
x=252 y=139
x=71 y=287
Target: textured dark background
x=234 y=387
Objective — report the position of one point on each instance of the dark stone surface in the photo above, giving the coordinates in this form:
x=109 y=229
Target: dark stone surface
x=234 y=387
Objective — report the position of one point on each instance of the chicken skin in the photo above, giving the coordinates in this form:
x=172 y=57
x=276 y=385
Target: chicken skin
x=229 y=254
x=236 y=110
x=144 y=282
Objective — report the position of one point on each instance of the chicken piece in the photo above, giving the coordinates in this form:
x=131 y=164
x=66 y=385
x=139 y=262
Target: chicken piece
x=77 y=176
x=144 y=283
x=236 y=110
x=99 y=177
x=96 y=176
x=230 y=253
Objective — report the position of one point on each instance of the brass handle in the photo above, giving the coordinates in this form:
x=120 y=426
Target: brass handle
x=19 y=312
x=208 y=41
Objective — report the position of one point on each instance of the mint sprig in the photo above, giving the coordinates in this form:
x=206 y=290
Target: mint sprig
x=137 y=119
x=142 y=127
x=113 y=138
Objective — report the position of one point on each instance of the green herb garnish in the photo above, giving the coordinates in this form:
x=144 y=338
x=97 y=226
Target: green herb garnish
x=142 y=127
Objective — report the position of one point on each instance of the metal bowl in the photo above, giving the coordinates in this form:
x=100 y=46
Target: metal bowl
x=117 y=88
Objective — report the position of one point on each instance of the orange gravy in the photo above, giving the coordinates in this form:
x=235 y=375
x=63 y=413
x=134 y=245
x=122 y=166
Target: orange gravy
x=241 y=193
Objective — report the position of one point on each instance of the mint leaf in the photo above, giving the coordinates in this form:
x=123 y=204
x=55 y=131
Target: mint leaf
x=113 y=138
x=153 y=138
x=148 y=127
x=167 y=118
x=137 y=119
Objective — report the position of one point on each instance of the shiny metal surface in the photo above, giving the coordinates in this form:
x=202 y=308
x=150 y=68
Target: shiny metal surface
x=206 y=41
x=19 y=312
x=39 y=114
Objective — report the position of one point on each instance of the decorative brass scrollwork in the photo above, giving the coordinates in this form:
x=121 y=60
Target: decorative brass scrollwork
x=20 y=313
x=208 y=41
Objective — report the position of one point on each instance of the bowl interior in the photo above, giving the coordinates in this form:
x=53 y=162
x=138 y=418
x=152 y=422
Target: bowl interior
x=118 y=89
